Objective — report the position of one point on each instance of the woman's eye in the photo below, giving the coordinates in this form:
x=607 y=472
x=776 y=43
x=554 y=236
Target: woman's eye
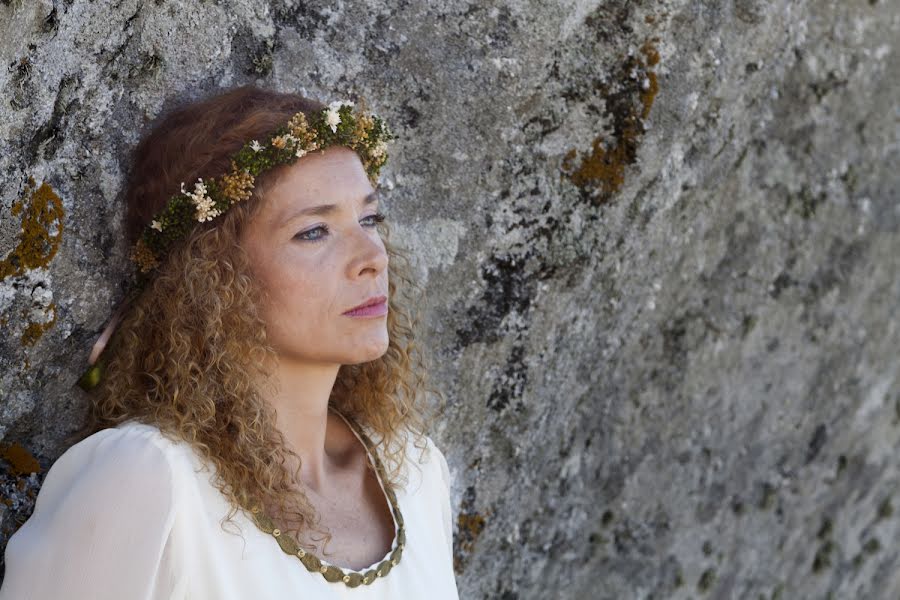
x=310 y=236
x=318 y=233
x=376 y=218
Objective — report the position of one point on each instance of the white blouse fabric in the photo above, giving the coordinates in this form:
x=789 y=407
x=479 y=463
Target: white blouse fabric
x=127 y=514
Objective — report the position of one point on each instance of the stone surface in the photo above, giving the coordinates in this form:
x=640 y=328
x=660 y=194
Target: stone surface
x=661 y=242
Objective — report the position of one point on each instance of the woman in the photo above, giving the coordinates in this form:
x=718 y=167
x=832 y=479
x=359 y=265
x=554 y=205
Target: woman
x=266 y=368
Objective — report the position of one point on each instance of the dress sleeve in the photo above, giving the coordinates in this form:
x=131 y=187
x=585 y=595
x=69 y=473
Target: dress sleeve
x=100 y=527
x=446 y=511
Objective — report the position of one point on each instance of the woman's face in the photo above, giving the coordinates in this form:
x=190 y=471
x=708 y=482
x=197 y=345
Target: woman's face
x=314 y=248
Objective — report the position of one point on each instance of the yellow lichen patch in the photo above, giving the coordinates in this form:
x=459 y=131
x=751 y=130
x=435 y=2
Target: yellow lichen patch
x=34 y=331
x=20 y=460
x=651 y=52
x=649 y=94
x=469 y=527
x=472 y=524
x=602 y=172
x=37 y=246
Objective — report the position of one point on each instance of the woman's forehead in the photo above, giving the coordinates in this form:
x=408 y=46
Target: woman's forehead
x=317 y=189
x=330 y=176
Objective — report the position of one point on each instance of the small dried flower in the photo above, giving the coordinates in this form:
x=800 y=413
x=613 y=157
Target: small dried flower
x=237 y=185
x=156 y=225
x=255 y=145
x=206 y=210
x=361 y=128
x=379 y=149
x=143 y=256
x=298 y=125
x=199 y=190
x=332 y=118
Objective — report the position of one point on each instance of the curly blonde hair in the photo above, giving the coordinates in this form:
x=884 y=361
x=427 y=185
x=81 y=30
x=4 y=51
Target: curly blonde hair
x=190 y=355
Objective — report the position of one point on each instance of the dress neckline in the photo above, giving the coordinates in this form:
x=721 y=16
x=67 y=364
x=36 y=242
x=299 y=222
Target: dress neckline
x=331 y=572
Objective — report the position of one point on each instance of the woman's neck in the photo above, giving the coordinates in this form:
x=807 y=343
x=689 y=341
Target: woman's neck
x=316 y=435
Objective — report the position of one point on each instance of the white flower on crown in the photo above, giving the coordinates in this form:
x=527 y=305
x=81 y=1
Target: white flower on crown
x=199 y=190
x=332 y=118
x=156 y=225
x=255 y=145
x=300 y=153
x=206 y=210
x=379 y=149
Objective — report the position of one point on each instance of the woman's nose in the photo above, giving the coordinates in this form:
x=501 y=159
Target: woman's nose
x=370 y=256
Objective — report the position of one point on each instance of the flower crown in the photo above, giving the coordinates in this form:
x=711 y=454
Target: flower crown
x=341 y=123
x=337 y=124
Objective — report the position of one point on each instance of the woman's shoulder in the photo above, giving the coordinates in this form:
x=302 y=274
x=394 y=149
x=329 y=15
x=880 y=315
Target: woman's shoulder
x=439 y=460
x=429 y=485
x=423 y=450
x=131 y=443
x=131 y=434
x=425 y=462
x=126 y=460
x=104 y=513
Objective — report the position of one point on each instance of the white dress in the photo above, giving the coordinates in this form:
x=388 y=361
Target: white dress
x=128 y=514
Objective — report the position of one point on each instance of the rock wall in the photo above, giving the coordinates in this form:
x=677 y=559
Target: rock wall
x=661 y=242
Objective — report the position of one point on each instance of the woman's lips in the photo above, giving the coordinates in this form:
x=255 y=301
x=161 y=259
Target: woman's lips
x=371 y=310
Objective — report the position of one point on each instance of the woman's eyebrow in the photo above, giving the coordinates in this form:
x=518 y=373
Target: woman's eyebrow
x=325 y=209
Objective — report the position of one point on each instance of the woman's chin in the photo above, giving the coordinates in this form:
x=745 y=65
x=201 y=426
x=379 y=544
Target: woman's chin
x=369 y=351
